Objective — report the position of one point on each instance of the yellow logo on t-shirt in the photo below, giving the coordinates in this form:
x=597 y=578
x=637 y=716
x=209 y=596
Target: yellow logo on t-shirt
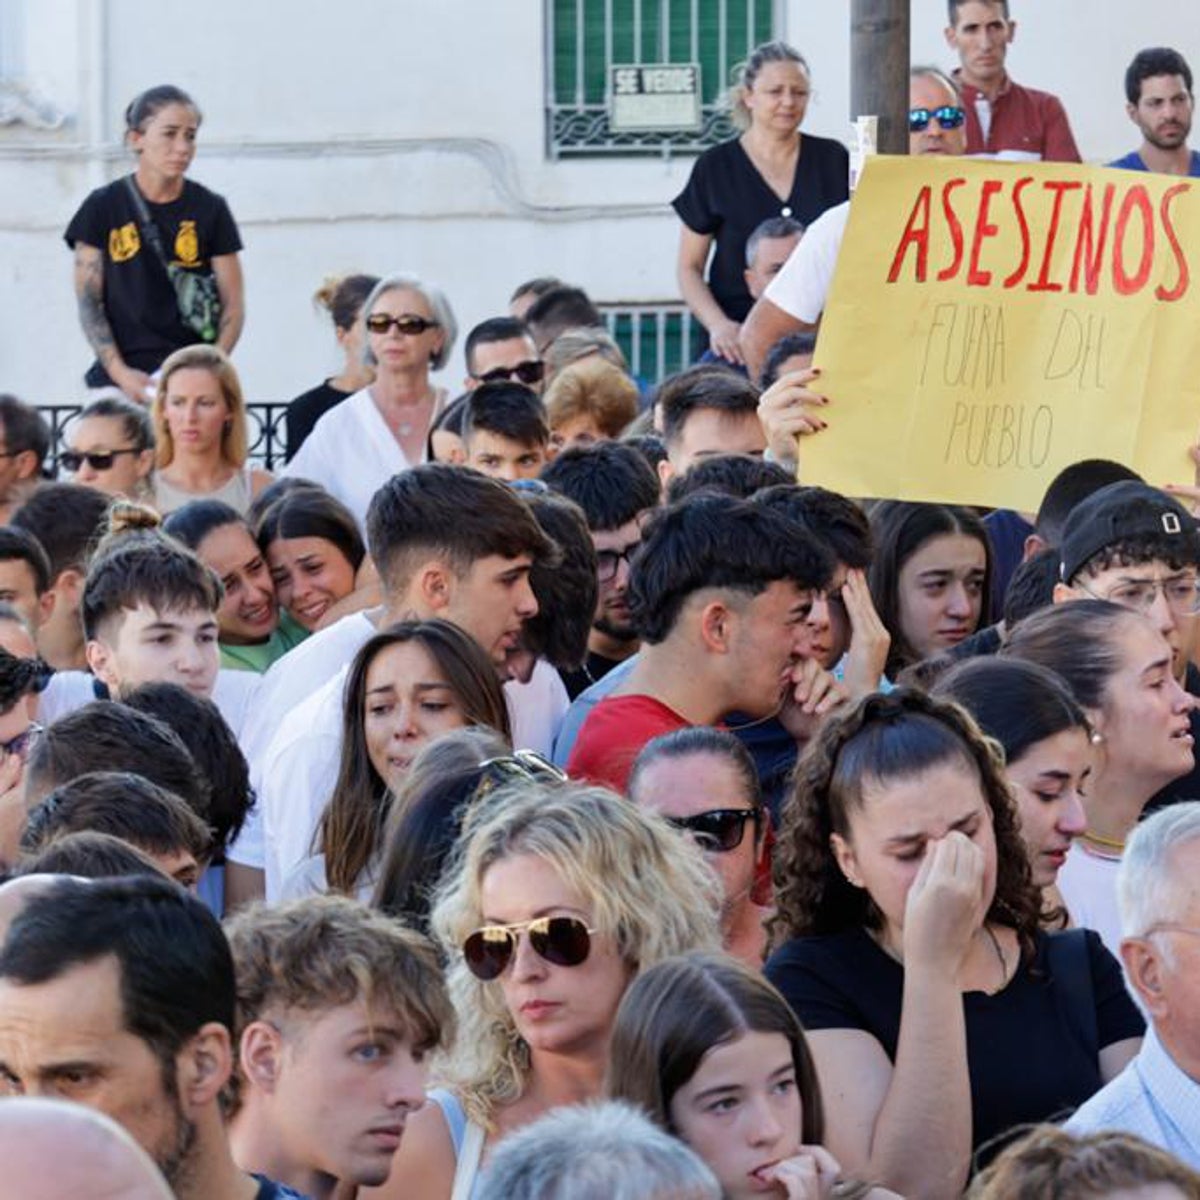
x=187 y=244
x=123 y=243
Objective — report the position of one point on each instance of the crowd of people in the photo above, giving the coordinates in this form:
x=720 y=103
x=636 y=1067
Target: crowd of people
x=537 y=792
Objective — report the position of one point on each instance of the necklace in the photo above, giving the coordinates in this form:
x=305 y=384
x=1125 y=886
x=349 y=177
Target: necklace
x=1107 y=843
x=999 y=953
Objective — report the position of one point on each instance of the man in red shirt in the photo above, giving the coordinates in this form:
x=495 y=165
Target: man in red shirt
x=720 y=593
x=1004 y=119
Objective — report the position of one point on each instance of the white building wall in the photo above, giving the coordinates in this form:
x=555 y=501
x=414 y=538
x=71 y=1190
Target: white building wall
x=409 y=135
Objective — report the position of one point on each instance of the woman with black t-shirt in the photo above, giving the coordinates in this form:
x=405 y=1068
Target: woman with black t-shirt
x=939 y=1014
x=128 y=304
x=771 y=170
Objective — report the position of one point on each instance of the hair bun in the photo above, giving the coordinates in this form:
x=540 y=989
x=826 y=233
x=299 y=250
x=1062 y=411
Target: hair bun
x=127 y=517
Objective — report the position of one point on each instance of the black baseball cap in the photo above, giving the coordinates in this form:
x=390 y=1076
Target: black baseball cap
x=1123 y=512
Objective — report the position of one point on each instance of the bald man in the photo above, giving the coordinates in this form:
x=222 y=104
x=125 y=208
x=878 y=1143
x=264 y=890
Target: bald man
x=104 y=1162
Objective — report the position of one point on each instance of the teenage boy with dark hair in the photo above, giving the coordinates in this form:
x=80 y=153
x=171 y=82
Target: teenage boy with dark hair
x=504 y=432
x=120 y=993
x=1135 y=546
x=25 y=576
x=24 y=444
x=67 y=519
x=616 y=488
x=734 y=474
x=87 y=854
x=500 y=350
x=131 y=808
x=707 y=411
x=339 y=1009
x=447 y=543
x=720 y=593
x=557 y=310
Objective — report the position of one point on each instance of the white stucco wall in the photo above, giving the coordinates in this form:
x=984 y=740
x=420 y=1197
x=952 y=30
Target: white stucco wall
x=409 y=134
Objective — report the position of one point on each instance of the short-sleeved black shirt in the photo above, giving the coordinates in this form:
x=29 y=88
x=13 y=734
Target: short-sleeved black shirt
x=306 y=410
x=139 y=299
x=1026 y=1050
x=727 y=198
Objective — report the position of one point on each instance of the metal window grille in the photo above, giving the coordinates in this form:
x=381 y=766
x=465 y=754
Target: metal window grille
x=585 y=37
x=656 y=339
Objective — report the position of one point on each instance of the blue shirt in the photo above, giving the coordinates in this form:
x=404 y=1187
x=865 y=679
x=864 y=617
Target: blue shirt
x=1152 y=1098
x=1133 y=162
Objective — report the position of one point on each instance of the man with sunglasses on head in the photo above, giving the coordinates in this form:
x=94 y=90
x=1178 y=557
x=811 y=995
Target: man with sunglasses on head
x=705 y=783
x=1004 y=119
x=501 y=350
x=795 y=298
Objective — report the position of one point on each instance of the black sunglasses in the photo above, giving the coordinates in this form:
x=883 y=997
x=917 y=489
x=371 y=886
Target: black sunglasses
x=949 y=116
x=719 y=829
x=381 y=323
x=527 y=372
x=98 y=460
x=564 y=941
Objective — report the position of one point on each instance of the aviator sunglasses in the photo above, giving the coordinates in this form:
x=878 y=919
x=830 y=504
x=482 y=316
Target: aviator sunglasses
x=719 y=829
x=949 y=116
x=98 y=460
x=528 y=372
x=382 y=322
x=563 y=941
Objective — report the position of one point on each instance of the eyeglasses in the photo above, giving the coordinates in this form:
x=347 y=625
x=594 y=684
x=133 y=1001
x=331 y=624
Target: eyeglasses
x=563 y=941
x=523 y=766
x=1170 y=927
x=608 y=561
x=98 y=460
x=1182 y=595
x=381 y=323
x=720 y=829
x=529 y=372
x=23 y=742
x=949 y=116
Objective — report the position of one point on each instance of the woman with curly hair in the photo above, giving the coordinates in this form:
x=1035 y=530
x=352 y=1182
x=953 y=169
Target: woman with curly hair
x=560 y=895
x=938 y=1012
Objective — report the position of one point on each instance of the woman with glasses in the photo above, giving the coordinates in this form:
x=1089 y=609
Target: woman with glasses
x=1119 y=669
x=939 y=1013
x=202 y=442
x=110 y=446
x=770 y=170
x=705 y=783
x=561 y=894
x=384 y=428
x=407 y=685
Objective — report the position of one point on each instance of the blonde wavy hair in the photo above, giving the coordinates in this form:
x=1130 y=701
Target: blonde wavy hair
x=643 y=884
x=234 y=442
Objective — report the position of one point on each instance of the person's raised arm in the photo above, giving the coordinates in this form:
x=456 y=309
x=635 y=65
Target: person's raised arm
x=765 y=325
x=227 y=270
x=910 y=1130
x=693 y=256
x=89 y=292
x=787 y=410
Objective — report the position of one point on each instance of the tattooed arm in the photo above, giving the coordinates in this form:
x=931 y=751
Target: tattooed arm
x=89 y=291
x=227 y=270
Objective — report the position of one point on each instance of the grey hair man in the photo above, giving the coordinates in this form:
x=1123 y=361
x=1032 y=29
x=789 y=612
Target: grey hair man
x=104 y=1161
x=596 y=1152
x=1157 y=1096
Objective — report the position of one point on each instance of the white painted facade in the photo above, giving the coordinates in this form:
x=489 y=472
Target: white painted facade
x=409 y=135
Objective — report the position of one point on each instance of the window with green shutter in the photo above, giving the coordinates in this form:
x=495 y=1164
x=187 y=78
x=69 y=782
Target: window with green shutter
x=586 y=37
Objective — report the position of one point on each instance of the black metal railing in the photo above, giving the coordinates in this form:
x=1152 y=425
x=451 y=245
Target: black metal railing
x=265 y=433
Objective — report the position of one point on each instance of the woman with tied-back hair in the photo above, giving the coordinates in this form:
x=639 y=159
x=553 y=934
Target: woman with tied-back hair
x=939 y=1014
x=127 y=302
x=770 y=170
x=110 y=446
x=341 y=297
x=1118 y=667
x=384 y=428
x=560 y=894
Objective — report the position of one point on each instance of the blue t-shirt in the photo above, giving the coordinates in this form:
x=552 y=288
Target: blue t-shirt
x=268 y=1189
x=1133 y=162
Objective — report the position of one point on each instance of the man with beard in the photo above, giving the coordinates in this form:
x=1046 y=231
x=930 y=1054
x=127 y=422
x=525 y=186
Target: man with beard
x=1158 y=86
x=119 y=994
x=615 y=487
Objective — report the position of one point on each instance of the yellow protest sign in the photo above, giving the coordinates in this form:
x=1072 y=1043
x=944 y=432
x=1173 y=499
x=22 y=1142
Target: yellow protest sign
x=990 y=323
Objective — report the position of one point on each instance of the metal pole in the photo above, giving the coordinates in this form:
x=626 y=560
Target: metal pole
x=879 y=62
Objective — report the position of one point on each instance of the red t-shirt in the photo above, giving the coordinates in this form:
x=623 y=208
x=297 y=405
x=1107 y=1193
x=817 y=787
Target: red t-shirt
x=614 y=734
